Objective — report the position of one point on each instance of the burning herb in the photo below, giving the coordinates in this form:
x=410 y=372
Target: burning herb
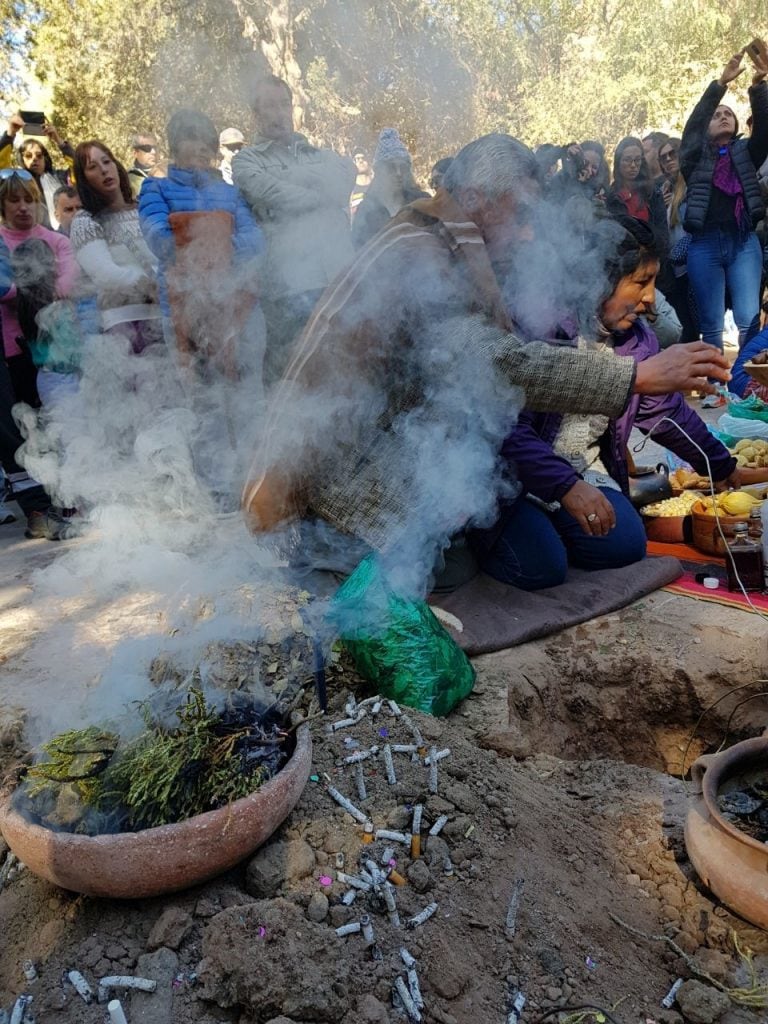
x=77 y=758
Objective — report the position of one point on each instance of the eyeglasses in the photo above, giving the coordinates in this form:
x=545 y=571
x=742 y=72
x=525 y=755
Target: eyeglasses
x=671 y=154
x=234 y=147
x=15 y=172
x=632 y=161
x=146 y=149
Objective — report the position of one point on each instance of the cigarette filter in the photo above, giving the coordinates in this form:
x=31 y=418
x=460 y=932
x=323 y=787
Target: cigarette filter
x=359 y=755
x=394 y=708
x=365 y=923
x=668 y=1001
x=393 y=837
x=348 y=929
x=387 y=854
x=425 y=915
x=368 y=832
x=349 y=897
x=416 y=831
x=353 y=880
x=116 y=1015
x=29 y=970
x=80 y=986
x=360 y=782
x=439 y=825
x=389 y=899
x=348 y=806
x=405 y=998
x=404 y=748
x=124 y=981
x=438 y=755
x=376 y=708
x=389 y=765
x=343 y=723
x=396 y=878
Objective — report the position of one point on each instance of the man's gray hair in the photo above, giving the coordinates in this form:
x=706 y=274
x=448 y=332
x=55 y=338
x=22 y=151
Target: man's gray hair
x=494 y=165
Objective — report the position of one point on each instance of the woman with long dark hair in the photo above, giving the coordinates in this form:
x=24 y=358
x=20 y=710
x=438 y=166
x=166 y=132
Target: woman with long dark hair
x=575 y=465
x=724 y=204
x=632 y=192
x=111 y=249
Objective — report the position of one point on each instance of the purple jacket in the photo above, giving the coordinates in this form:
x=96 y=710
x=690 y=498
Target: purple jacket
x=549 y=477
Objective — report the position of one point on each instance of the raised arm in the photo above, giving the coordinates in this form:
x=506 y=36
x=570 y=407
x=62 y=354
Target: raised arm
x=758 y=101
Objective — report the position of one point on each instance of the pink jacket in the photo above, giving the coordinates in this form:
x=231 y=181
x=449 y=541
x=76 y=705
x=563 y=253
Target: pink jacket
x=67 y=272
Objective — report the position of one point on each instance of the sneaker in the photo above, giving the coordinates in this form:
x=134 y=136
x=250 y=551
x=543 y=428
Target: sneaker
x=713 y=402
x=48 y=525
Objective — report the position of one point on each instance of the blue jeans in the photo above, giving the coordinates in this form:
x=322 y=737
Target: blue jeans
x=718 y=258
x=535 y=547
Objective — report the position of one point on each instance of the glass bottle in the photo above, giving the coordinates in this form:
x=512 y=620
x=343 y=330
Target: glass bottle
x=745 y=558
x=756 y=523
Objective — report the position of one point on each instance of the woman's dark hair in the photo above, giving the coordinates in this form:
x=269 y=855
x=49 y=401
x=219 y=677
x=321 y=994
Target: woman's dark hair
x=191 y=124
x=27 y=144
x=636 y=245
x=34 y=271
x=93 y=201
x=642 y=182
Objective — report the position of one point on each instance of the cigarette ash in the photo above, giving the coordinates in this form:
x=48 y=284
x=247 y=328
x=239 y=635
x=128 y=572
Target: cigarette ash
x=743 y=802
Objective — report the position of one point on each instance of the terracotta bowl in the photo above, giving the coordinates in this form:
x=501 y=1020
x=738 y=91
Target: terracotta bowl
x=729 y=862
x=668 y=529
x=134 y=865
x=706 y=536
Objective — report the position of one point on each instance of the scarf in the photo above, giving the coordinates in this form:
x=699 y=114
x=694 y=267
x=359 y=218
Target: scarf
x=727 y=180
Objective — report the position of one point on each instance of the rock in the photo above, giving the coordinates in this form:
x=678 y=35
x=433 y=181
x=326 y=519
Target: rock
x=57 y=1000
x=170 y=929
x=277 y=864
x=399 y=819
x=551 y=962
x=553 y=993
x=115 y=951
x=206 y=907
x=301 y=974
x=317 y=910
x=671 y=895
x=700 y=1003
x=457 y=828
x=155 y=1007
x=450 y=970
x=341 y=915
x=419 y=876
x=713 y=962
x=461 y=796
x=371 y=1011
x=437 y=850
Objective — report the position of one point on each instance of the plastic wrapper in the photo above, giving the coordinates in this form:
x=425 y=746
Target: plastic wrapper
x=735 y=428
x=749 y=408
x=398 y=644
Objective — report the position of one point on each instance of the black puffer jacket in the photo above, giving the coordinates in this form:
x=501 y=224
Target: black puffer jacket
x=698 y=156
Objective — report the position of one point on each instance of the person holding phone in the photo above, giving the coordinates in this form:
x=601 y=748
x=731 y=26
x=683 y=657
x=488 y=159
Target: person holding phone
x=724 y=203
x=36 y=158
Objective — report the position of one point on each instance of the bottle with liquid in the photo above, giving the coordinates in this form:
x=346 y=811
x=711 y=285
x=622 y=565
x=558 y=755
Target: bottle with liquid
x=744 y=561
x=756 y=525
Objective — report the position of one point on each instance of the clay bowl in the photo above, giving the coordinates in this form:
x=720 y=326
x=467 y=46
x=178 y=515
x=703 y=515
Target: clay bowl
x=729 y=862
x=758 y=372
x=706 y=536
x=134 y=865
x=668 y=529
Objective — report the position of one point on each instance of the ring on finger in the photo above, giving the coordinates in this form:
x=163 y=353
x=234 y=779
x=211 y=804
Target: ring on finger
x=592 y=517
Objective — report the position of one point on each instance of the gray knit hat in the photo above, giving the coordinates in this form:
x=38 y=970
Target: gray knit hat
x=390 y=147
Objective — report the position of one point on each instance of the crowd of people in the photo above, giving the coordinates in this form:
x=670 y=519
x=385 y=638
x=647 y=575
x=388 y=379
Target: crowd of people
x=320 y=269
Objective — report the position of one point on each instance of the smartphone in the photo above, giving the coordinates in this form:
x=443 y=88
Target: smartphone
x=33 y=121
x=758 y=50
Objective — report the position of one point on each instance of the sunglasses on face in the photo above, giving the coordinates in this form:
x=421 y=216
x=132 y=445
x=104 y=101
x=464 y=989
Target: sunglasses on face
x=234 y=147
x=146 y=149
x=14 y=172
x=632 y=160
x=669 y=155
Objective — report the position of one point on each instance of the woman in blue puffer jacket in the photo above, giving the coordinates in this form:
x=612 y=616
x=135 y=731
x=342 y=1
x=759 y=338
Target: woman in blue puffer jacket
x=209 y=248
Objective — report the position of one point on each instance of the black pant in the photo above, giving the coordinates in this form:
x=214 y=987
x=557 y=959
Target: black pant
x=30 y=498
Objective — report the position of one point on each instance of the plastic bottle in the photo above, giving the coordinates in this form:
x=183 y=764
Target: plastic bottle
x=745 y=557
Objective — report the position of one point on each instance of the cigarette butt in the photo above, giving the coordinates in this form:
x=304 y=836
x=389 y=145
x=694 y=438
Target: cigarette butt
x=348 y=806
x=29 y=970
x=439 y=825
x=376 y=708
x=349 y=897
x=414 y=730
x=425 y=915
x=389 y=765
x=344 y=723
x=415 y=847
x=387 y=854
x=438 y=755
x=394 y=708
x=80 y=986
x=359 y=755
x=469 y=831
x=365 y=923
x=432 y=785
x=668 y=1001
x=415 y=988
x=353 y=880
x=396 y=878
x=360 y=782
x=348 y=929
x=393 y=837
x=405 y=956
x=407 y=1000
x=389 y=899
x=404 y=748
x=368 y=832
x=116 y=1015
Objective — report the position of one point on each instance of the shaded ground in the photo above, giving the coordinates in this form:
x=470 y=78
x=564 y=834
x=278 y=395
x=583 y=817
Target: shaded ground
x=588 y=816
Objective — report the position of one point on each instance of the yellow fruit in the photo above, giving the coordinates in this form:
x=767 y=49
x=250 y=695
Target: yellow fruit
x=741 y=445
x=737 y=503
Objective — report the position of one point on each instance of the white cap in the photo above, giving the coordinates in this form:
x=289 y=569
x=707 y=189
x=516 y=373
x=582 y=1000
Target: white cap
x=710 y=582
x=231 y=136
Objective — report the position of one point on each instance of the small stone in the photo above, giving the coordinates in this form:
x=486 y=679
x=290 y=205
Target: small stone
x=115 y=951
x=702 y=1004
x=276 y=864
x=170 y=929
x=437 y=850
x=341 y=915
x=633 y=880
x=399 y=818
x=317 y=910
x=57 y=999
x=371 y=1011
x=206 y=907
x=461 y=796
x=670 y=914
x=554 y=994
x=713 y=962
x=419 y=876
x=671 y=895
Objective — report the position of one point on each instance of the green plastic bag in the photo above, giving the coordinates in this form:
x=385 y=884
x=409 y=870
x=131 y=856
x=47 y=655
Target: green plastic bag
x=749 y=408
x=398 y=644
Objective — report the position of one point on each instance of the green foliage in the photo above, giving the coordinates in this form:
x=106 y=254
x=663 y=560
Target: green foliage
x=442 y=71
x=76 y=758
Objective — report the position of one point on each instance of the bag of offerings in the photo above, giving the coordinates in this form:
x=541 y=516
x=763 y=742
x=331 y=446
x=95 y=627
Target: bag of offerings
x=749 y=408
x=398 y=644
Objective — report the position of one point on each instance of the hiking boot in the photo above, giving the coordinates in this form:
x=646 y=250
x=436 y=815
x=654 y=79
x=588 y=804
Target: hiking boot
x=48 y=525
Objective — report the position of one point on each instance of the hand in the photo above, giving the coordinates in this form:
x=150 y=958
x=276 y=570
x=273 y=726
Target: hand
x=732 y=69
x=15 y=124
x=590 y=508
x=666 y=193
x=682 y=368
x=735 y=480
x=52 y=132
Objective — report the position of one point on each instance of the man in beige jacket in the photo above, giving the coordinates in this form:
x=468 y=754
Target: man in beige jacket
x=394 y=403
x=300 y=196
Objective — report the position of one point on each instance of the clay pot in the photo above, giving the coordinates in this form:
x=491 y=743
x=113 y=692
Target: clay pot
x=649 y=484
x=134 y=865
x=668 y=529
x=706 y=535
x=729 y=862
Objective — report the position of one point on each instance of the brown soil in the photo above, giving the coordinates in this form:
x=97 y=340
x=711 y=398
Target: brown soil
x=585 y=813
